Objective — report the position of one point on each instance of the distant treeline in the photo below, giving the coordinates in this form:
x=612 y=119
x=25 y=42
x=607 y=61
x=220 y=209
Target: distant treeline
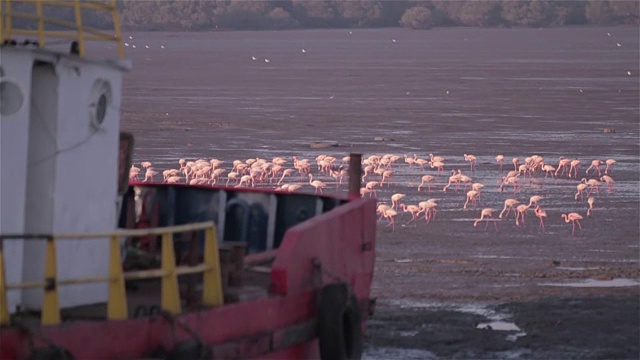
x=203 y=15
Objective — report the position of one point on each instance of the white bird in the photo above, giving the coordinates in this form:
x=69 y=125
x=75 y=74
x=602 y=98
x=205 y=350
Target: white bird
x=267 y=60
x=304 y=51
x=254 y=58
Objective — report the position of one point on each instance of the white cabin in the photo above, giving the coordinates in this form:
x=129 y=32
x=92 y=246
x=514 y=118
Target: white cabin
x=59 y=134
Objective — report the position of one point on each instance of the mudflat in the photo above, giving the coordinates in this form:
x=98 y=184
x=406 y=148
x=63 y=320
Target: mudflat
x=441 y=284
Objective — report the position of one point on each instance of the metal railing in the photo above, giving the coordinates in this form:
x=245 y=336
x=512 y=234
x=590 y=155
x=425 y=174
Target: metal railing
x=117 y=302
x=76 y=30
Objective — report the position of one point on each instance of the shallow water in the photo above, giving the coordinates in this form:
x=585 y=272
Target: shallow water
x=515 y=92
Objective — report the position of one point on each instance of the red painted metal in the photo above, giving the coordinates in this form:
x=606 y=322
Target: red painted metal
x=339 y=243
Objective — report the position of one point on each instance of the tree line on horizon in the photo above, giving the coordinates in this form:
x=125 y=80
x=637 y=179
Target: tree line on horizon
x=205 y=15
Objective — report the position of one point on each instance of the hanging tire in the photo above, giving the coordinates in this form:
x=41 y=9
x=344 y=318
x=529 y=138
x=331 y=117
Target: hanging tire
x=192 y=350
x=339 y=323
x=51 y=353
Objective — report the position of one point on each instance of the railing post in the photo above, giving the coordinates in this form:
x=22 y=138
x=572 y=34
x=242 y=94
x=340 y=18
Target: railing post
x=78 y=12
x=211 y=278
x=355 y=172
x=116 y=25
x=1 y=23
x=117 y=305
x=170 y=291
x=9 y=20
x=50 y=304
x=40 y=24
x=4 y=304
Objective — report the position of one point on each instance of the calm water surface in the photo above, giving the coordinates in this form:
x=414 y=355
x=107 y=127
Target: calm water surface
x=515 y=92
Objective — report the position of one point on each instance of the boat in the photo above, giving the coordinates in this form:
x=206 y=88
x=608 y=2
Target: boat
x=95 y=266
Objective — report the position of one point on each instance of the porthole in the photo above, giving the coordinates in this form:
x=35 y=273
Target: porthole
x=11 y=98
x=99 y=103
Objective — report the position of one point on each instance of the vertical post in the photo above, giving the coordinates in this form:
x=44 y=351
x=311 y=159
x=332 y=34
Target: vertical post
x=212 y=280
x=4 y=304
x=40 y=24
x=50 y=304
x=355 y=173
x=170 y=291
x=9 y=20
x=78 y=13
x=116 y=25
x=117 y=305
x=1 y=25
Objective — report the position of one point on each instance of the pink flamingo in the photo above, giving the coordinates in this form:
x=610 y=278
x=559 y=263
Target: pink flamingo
x=562 y=165
x=471 y=159
x=609 y=163
x=390 y=215
x=413 y=209
x=370 y=188
x=426 y=179
x=574 y=167
x=591 y=200
x=581 y=188
x=508 y=206
x=486 y=214
x=595 y=164
x=472 y=196
x=609 y=180
x=521 y=210
x=394 y=200
x=319 y=185
x=381 y=209
x=499 y=160
x=429 y=208
x=541 y=214
x=419 y=161
x=574 y=218
x=594 y=185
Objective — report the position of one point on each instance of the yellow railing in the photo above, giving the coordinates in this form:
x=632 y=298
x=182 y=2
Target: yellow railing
x=117 y=302
x=77 y=30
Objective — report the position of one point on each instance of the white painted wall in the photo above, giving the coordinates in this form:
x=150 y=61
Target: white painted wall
x=78 y=181
x=16 y=67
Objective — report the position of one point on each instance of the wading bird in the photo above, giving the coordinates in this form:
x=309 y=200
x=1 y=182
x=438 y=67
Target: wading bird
x=574 y=218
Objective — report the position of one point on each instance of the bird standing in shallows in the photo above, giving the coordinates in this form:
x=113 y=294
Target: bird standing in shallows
x=609 y=163
x=395 y=198
x=574 y=218
x=426 y=179
x=487 y=215
x=540 y=214
x=591 y=200
x=595 y=164
x=390 y=214
x=500 y=160
x=609 y=180
x=521 y=210
x=508 y=206
x=319 y=185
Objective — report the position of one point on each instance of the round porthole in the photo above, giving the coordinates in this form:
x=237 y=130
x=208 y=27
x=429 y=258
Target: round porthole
x=100 y=101
x=11 y=98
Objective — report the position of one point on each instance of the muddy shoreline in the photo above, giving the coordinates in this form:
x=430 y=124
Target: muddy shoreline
x=516 y=92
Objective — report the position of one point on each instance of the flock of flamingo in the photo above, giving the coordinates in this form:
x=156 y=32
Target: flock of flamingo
x=378 y=172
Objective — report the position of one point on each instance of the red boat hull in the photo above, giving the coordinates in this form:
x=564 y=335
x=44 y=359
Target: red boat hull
x=337 y=246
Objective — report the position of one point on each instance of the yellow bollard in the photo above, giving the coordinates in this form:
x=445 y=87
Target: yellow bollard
x=117 y=305
x=170 y=291
x=50 y=304
x=212 y=282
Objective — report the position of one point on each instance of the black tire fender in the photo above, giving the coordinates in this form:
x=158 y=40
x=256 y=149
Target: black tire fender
x=51 y=353
x=191 y=350
x=339 y=323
